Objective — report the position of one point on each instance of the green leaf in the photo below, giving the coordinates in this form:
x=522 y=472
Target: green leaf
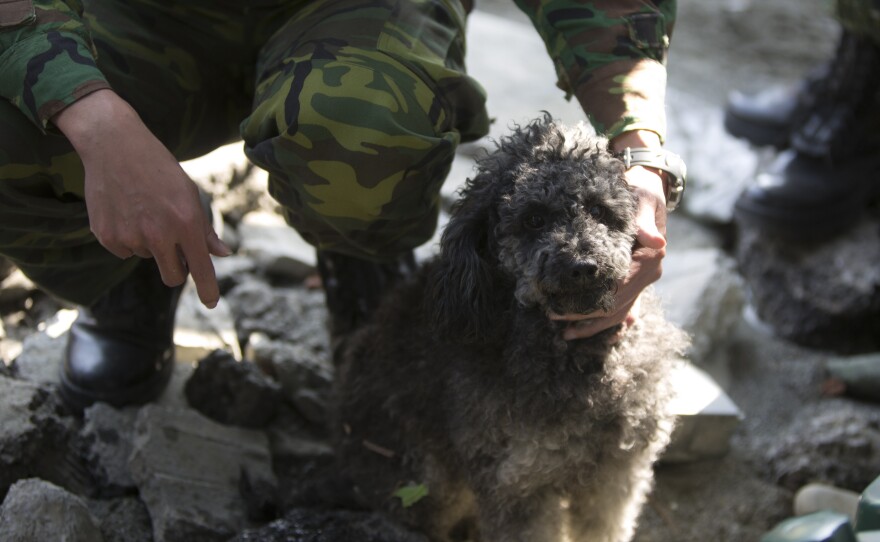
x=411 y=494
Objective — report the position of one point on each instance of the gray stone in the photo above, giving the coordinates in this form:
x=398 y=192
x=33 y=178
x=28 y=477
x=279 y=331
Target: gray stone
x=296 y=315
x=232 y=270
x=43 y=352
x=825 y=295
x=35 y=510
x=835 y=442
x=122 y=520
x=190 y=471
x=305 y=375
x=233 y=392
x=106 y=444
x=34 y=438
x=276 y=247
x=316 y=525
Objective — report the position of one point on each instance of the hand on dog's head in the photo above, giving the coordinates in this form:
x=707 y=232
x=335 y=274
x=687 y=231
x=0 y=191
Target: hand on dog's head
x=547 y=222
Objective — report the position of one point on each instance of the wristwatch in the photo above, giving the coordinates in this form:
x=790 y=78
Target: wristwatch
x=666 y=161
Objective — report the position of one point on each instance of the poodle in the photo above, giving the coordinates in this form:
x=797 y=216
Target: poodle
x=460 y=409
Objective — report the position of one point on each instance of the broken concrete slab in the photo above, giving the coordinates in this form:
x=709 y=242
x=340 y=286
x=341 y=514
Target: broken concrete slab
x=36 y=510
x=190 y=471
x=706 y=417
x=105 y=441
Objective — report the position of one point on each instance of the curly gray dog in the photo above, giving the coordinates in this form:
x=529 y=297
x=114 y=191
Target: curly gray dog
x=462 y=387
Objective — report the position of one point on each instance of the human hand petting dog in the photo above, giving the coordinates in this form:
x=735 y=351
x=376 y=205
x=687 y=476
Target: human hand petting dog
x=648 y=252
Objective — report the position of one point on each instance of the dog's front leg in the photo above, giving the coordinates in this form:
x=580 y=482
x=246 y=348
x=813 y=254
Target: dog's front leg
x=504 y=517
x=608 y=510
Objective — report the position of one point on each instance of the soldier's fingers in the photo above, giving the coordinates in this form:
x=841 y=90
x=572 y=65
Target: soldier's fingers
x=171 y=266
x=198 y=260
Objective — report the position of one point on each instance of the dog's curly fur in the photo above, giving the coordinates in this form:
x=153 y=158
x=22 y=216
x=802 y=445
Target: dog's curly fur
x=463 y=384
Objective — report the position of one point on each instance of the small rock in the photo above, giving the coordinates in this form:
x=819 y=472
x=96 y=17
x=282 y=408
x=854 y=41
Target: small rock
x=817 y=497
x=34 y=437
x=232 y=392
x=106 y=443
x=835 y=443
x=305 y=375
x=35 y=510
x=122 y=520
x=232 y=271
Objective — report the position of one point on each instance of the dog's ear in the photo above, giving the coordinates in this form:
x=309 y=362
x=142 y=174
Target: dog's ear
x=463 y=279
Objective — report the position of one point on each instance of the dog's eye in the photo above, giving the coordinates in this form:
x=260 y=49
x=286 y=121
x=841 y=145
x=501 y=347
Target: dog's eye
x=596 y=211
x=534 y=222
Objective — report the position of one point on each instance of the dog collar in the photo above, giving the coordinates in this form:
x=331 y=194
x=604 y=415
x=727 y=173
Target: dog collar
x=664 y=160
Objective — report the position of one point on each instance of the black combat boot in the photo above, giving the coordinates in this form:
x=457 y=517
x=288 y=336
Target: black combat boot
x=121 y=350
x=354 y=288
x=821 y=185
x=771 y=116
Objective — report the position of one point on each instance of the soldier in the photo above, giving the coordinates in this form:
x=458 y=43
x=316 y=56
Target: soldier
x=829 y=126
x=354 y=107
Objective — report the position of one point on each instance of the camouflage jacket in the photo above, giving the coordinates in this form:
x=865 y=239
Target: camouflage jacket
x=610 y=54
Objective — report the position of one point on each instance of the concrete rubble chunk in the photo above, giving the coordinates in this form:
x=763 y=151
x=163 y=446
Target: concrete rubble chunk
x=198 y=330
x=233 y=392
x=34 y=437
x=305 y=375
x=277 y=248
x=706 y=417
x=36 y=510
x=122 y=519
x=189 y=470
x=106 y=443
x=43 y=352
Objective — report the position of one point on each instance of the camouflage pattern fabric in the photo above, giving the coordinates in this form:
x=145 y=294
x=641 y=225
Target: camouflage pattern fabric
x=861 y=17
x=355 y=107
x=611 y=55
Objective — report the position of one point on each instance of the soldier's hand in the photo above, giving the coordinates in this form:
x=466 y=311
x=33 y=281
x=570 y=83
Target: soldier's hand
x=139 y=200
x=647 y=256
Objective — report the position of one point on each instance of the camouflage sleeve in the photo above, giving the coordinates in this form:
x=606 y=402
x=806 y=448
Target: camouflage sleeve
x=611 y=55
x=47 y=60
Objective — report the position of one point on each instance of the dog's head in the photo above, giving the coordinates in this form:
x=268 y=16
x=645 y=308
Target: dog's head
x=549 y=213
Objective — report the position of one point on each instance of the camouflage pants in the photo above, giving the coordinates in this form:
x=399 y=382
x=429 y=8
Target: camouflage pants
x=354 y=107
x=861 y=17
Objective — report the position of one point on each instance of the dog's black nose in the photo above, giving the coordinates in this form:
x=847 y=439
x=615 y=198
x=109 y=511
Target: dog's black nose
x=584 y=268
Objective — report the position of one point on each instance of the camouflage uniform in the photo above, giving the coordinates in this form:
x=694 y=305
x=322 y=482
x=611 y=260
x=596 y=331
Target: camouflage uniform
x=354 y=107
x=861 y=17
